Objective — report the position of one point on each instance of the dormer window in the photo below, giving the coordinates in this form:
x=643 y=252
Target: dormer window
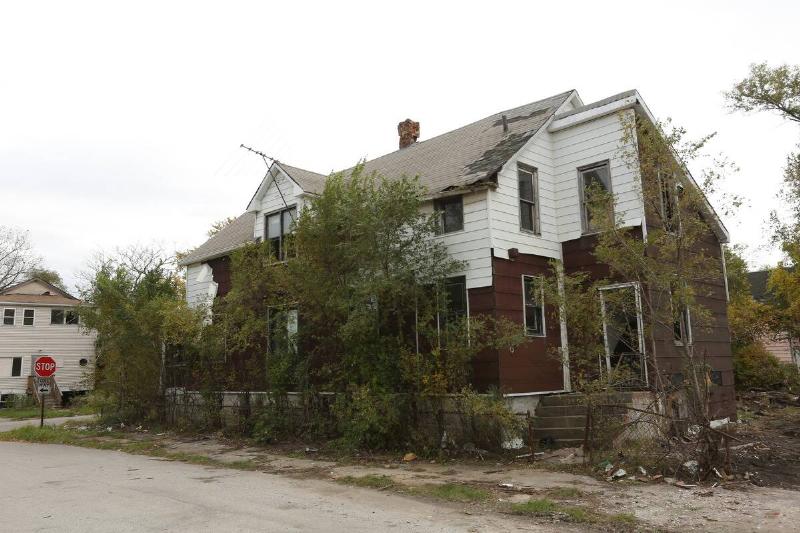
x=450 y=211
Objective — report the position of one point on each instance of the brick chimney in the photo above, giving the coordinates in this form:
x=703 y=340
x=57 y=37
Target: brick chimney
x=408 y=131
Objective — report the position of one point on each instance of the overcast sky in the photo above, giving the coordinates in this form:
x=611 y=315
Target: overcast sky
x=123 y=125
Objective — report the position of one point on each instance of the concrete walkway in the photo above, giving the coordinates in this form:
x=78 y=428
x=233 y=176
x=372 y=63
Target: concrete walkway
x=8 y=425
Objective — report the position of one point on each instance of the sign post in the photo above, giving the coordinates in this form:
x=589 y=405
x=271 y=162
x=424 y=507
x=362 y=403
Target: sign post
x=44 y=367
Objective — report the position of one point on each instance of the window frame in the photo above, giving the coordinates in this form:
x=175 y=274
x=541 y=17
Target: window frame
x=585 y=228
x=13 y=316
x=532 y=204
x=439 y=207
x=538 y=278
x=669 y=200
x=63 y=317
x=639 y=325
x=292 y=316
x=76 y=318
x=282 y=251
x=33 y=317
x=19 y=367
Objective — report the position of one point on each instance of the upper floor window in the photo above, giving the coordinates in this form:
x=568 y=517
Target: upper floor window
x=451 y=213
x=27 y=317
x=593 y=178
x=455 y=292
x=528 y=198
x=533 y=302
x=278 y=226
x=60 y=316
x=8 y=316
x=282 y=334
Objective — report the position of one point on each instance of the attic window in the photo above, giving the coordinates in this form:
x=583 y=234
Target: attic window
x=278 y=227
x=593 y=178
x=451 y=213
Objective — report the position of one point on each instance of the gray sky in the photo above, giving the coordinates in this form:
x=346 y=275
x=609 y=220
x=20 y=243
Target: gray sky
x=121 y=125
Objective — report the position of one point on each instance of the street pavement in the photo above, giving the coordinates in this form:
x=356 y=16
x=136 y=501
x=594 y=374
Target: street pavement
x=50 y=487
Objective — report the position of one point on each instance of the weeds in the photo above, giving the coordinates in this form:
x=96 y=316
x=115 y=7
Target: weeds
x=452 y=492
x=371 y=481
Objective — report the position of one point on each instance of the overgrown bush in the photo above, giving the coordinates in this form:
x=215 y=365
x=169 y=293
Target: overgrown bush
x=755 y=368
x=486 y=419
x=370 y=418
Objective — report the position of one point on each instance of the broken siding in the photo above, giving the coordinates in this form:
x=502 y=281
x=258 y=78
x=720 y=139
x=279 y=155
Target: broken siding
x=67 y=344
x=593 y=142
x=472 y=244
x=200 y=286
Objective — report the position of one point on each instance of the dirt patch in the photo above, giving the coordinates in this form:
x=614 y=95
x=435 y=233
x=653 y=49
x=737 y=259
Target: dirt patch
x=768 y=452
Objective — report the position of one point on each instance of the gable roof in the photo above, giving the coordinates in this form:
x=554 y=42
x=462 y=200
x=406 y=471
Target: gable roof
x=30 y=292
x=308 y=181
x=227 y=239
x=471 y=153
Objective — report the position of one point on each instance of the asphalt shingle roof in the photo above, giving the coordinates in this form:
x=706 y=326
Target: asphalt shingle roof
x=227 y=239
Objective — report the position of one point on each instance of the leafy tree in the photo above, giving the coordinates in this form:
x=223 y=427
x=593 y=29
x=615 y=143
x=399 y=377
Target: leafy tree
x=675 y=266
x=135 y=303
x=360 y=308
x=219 y=225
x=17 y=258
x=749 y=320
x=50 y=276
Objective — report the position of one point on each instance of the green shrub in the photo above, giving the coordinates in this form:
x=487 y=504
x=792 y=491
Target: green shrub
x=273 y=421
x=755 y=368
x=367 y=418
x=487 y=419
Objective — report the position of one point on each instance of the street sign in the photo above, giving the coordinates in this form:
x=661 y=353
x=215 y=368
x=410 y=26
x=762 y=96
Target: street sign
x=45 y=366
x=44 y=388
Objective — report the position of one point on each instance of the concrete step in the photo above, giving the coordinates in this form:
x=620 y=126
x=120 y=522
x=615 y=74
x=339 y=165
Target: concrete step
x=560 y=400
x=560 y=410
x=542 y=422
x=559 y=434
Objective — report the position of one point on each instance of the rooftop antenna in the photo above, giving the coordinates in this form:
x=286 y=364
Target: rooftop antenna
x=265 y=157
x=505 y=124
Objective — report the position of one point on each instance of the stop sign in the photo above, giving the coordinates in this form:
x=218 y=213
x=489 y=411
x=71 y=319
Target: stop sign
x=45 y=366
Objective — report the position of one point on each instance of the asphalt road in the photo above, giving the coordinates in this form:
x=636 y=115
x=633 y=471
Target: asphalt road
x=63 y=488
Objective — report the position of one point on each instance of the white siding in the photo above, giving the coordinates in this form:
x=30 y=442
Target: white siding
x=591 y=142
x=200 y=286
x=472 y=244
x=506 y=232
x=275 y=198
x=67 y=344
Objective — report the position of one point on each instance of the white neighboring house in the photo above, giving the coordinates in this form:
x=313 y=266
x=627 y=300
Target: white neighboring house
x=39 y=319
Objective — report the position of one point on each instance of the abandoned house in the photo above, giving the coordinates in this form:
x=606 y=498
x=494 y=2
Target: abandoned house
x=39 y=319
x=511 y=190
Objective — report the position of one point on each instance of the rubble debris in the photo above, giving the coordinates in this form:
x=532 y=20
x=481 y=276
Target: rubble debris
x=692 y=467
x=410 y=456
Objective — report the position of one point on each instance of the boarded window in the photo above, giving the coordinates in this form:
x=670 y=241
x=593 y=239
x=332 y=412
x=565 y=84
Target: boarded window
x=528 y=198
x=451 y=213
x=594 y=178
x=8 y=317
x=532 y=294
x=27 y=317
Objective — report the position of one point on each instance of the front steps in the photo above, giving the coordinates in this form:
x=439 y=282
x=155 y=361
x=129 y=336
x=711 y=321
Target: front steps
x=560 y=421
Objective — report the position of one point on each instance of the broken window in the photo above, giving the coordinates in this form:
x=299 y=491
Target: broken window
x=624 y=340
x=8 y=317
x=278 y=227
x=454 y=300
x=532 y=295
x=670 y=191
x=593 y=178
x=71 y=317
x=450 y=211
x=528 y=198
